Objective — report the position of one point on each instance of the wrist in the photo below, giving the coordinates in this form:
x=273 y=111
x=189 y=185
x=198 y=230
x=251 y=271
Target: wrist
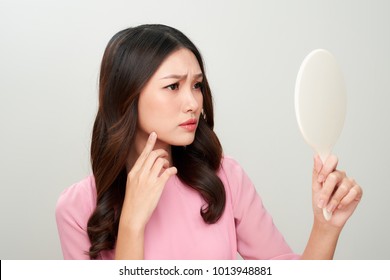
x=130 y=242
x=131 y=226
x=325 y=229
x=322 y=242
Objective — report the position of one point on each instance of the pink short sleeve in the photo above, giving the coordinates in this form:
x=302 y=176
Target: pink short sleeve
x=257 y=236
x=73 y=209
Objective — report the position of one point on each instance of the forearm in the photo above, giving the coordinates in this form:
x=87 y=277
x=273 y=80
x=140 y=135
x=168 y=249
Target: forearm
x=322 y=242
x=130 y=243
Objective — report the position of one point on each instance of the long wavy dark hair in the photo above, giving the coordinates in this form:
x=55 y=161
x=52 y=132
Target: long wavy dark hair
x=131 y=57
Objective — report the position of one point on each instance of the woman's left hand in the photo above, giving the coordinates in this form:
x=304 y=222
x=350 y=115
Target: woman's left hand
x=333 y=190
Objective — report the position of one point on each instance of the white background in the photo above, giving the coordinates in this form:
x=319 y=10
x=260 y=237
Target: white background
x=50 y=52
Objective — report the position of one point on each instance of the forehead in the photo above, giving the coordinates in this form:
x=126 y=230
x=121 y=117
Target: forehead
x=180 y=62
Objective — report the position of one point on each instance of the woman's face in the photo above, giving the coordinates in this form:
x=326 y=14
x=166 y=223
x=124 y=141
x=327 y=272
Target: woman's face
x=171 y=102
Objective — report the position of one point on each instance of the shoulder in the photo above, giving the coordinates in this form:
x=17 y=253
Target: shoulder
x=77 y=201
x=235 y=179
x=228 y=163
x=83 y=192
x=231 y=170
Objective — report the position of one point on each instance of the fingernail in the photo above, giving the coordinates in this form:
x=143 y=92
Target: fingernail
x=320 y=204
x=153 y=135
x=326 y=214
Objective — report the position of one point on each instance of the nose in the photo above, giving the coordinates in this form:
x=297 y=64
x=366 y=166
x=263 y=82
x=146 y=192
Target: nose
x=191 y=100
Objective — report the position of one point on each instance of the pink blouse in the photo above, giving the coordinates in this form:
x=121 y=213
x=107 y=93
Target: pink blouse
x=176 y=230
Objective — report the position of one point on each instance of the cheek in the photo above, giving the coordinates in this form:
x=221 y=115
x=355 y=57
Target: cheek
x=154 y=113
x=199 y=99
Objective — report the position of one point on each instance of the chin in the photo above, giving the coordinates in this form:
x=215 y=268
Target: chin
x=181 y=140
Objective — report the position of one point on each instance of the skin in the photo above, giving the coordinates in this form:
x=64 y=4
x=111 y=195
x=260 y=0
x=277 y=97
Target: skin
x=171 y=97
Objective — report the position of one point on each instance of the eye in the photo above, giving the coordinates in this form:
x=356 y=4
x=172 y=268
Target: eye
x=198 y=85
x=174 y=86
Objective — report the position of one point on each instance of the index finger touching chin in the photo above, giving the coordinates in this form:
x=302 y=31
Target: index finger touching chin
x=150 y=143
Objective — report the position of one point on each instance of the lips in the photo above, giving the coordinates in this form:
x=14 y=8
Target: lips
x=189 y=122
x=189 y=125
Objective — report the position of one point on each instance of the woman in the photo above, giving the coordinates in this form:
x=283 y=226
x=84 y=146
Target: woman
x=161 y=187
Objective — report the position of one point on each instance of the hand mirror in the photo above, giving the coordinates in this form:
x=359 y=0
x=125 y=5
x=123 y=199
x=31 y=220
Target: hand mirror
x=320 y=102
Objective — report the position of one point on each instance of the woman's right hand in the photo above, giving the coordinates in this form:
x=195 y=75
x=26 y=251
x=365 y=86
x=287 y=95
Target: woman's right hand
x=144 y=186
x=145 y=183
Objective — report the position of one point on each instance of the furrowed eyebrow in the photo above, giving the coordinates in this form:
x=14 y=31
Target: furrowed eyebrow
x=181 y=77
x=200 y=75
